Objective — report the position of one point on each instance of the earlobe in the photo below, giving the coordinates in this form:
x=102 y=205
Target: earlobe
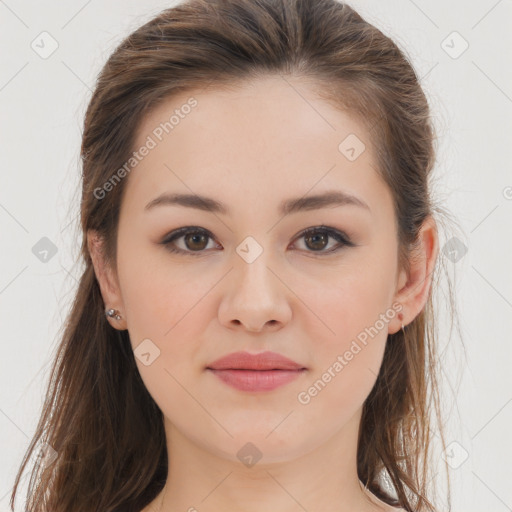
x=107 y=281
x=414 y=293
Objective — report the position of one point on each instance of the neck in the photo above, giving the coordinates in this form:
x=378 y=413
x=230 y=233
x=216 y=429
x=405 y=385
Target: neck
x=323 y=479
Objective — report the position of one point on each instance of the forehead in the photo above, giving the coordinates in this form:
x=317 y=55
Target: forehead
x=266 y=139
x=270 y=108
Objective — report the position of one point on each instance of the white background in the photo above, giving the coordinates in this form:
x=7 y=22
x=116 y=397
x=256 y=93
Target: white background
x=42 y=105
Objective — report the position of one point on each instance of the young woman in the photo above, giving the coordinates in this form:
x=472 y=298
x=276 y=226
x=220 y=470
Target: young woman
x=254 y=327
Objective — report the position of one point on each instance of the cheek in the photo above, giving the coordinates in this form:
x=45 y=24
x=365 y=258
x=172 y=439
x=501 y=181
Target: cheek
x=354 y=313
x=346 y=363
x=351 y=302
x=162 y=303
x=166 y=309
x=358 y=343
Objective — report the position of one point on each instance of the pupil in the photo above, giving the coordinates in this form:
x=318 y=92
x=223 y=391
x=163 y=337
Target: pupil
x=195 y=237
x=322 y=238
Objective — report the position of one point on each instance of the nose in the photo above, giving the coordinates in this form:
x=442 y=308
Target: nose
x=256 y=297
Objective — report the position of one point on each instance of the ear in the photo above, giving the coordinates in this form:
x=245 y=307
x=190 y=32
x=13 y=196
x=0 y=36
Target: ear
x=107 y=279
x=413 y=289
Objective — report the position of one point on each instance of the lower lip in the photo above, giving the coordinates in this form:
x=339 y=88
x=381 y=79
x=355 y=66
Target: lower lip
x=256 y=380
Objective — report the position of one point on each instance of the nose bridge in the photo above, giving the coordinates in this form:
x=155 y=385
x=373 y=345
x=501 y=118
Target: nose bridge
x=255 y=296
x=252 y=265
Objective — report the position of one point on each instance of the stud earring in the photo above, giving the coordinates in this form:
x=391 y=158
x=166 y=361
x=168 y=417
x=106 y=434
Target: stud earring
x=113 y=313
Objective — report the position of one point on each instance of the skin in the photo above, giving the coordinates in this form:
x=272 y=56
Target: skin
x=250 y=148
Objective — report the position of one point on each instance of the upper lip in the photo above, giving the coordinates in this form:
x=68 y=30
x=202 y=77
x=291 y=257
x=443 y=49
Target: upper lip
x=262 y=361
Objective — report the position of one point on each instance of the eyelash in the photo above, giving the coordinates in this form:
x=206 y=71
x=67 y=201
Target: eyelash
x=330 y=232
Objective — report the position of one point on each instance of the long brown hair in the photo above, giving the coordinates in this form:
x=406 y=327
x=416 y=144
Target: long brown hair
x=103 y=429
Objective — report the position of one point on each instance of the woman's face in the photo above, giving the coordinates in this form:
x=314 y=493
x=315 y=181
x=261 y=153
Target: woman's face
x=245 y=278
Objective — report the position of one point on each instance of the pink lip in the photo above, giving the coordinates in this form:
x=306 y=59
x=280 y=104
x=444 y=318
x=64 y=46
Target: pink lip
x=255 y=372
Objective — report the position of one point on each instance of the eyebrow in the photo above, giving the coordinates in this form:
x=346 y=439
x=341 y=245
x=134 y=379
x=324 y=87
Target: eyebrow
x=327 y=199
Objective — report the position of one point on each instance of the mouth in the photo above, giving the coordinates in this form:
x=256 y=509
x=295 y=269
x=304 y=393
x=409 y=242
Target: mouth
x=256 y=372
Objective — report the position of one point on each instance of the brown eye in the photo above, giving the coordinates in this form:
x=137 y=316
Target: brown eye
x=317 y=239
x=196 y=242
